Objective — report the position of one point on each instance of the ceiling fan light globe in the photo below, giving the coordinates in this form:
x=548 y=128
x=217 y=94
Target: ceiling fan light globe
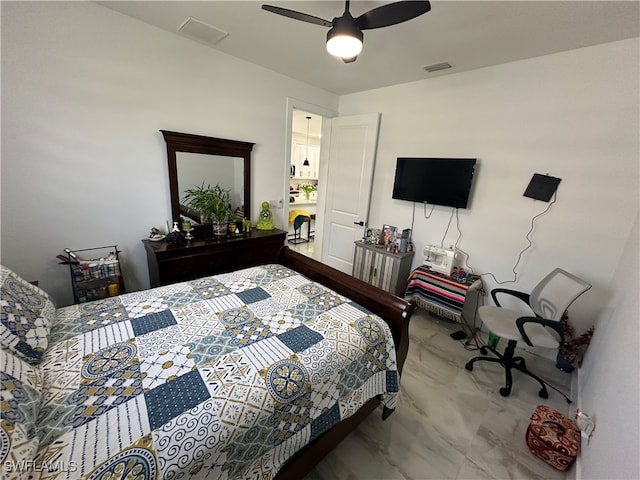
x=344 y=40
x=344 y=46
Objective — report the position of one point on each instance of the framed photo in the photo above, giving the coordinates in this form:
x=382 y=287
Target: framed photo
x=388 y=234
x=372 y=236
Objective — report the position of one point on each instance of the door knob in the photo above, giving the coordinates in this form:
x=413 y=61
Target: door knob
x=361 y=223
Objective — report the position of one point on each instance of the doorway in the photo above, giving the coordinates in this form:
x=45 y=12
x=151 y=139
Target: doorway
x=304 y=185
x=343 y=187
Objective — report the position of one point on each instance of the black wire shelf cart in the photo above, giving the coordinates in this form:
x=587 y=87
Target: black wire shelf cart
x=95 y=273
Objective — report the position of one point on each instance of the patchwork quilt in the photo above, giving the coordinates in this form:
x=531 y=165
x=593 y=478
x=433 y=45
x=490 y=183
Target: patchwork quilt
x=224 y=377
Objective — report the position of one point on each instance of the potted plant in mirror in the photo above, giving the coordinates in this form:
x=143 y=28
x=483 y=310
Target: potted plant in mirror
x=213 y=205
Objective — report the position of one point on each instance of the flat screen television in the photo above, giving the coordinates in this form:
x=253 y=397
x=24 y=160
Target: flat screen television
x=438 y=181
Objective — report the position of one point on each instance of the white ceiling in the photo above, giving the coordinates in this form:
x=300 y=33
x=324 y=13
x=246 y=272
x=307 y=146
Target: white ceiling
x=299 y=125
x=466 y=34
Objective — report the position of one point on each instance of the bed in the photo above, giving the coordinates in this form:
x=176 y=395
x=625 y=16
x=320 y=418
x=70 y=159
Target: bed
x=257 y=373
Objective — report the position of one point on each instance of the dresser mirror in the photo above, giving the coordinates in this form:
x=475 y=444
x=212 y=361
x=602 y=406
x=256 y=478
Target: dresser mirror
x=196 y=159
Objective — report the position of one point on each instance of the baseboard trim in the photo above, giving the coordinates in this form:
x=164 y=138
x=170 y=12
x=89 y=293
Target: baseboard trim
x=575 y=473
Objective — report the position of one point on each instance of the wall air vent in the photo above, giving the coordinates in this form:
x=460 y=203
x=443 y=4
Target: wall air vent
x=437 y=66
x=203 y=32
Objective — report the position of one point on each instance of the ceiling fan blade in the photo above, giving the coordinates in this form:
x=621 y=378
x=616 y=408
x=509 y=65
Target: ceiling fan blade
x=297 y=15
x=392 y=13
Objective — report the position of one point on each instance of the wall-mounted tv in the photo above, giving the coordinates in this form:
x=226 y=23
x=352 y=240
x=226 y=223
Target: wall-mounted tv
x=438 y=181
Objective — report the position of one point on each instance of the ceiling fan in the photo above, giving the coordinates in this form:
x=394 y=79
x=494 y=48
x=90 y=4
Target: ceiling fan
x=344 y=40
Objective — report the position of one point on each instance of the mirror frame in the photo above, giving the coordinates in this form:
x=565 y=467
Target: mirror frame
x=186 y=142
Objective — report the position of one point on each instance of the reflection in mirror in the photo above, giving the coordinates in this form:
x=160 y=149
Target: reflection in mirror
x=196 y=169
x=194 y=159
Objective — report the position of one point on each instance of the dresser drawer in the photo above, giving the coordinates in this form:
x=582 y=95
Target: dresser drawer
x=194 y=266
x=199 y=258
x=257 y=255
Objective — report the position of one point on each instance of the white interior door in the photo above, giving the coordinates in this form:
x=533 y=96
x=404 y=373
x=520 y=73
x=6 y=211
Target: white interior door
x=351 y=159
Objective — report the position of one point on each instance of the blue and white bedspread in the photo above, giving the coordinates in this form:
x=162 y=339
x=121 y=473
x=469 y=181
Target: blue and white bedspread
x=223 y=377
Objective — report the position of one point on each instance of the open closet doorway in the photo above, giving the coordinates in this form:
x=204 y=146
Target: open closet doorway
x=304 y=183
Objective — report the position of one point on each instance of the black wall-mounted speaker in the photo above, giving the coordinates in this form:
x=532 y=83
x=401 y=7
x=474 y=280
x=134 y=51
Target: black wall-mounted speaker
x=542 y=187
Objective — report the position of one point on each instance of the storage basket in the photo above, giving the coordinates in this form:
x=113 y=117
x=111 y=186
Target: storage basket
x=553 y=437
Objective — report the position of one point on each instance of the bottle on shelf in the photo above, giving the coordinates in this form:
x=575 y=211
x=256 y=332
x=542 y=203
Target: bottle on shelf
x=113 y=288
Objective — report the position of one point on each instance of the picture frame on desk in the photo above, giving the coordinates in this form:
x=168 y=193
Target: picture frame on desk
x=387 y=234
x=372 y=236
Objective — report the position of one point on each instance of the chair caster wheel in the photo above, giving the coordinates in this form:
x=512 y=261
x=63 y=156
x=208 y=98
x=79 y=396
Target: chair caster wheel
x=469 y=366
x=483 y=350
x=543 y=393
x=505 y=392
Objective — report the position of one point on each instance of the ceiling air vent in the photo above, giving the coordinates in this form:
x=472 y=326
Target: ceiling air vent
x=437 y=66
x=198 y=30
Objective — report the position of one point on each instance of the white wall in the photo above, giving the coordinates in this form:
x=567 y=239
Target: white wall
x=609 y=381
x=85 y=91
x=573 y=115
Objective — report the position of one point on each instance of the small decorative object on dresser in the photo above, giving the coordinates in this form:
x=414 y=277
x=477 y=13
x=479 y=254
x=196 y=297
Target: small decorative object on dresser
x=155 y=235
x=187 y=228
x=266 y=218
x=175 y=237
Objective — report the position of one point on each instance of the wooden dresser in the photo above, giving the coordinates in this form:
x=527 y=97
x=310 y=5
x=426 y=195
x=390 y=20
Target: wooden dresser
x=199 y=258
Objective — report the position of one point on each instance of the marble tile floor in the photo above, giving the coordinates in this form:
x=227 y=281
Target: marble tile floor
x=450 y=423
x=305 y=248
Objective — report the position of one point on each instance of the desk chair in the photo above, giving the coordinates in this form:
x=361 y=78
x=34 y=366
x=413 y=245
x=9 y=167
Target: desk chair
x=548 y=300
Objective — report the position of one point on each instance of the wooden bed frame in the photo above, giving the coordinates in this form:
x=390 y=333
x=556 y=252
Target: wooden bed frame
x=393 y=310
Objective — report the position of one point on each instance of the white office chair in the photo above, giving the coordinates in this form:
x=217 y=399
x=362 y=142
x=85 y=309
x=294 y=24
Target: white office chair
x=548 y=300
